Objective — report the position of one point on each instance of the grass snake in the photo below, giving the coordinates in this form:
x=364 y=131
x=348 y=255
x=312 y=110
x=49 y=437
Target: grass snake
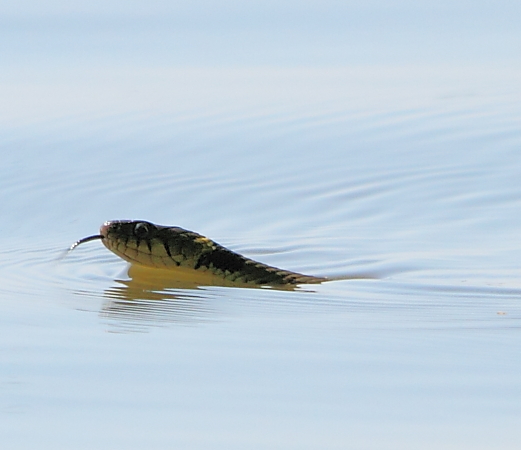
x=166 y=247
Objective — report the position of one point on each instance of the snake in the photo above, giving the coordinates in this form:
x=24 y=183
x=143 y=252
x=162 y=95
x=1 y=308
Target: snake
x=170 y=247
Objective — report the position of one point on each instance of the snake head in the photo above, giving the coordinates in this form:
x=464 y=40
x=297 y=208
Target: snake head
x=128 y=238
x=138 y=241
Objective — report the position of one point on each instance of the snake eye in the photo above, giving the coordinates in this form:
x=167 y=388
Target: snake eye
x=141 y=230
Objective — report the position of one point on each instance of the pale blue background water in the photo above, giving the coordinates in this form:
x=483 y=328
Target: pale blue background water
x=372 y=140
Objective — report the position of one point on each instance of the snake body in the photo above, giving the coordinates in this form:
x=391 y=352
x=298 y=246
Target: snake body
x=165 y=247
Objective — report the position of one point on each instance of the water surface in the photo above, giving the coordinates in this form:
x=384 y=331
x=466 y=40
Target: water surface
x=399 y=180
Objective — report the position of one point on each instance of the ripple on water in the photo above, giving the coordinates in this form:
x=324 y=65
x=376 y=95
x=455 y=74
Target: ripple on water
x=416 y=207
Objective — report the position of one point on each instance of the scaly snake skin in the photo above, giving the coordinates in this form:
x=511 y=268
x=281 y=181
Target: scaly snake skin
x=170 y=247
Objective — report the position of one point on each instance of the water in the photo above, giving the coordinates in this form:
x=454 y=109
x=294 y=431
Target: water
x=391 y=169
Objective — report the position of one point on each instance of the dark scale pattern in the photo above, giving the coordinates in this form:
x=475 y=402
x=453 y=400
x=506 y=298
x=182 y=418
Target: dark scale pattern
x=167 y=249
x=221 y=259
x=236 y=267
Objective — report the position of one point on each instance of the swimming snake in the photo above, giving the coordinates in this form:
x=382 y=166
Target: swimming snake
x=165 y=247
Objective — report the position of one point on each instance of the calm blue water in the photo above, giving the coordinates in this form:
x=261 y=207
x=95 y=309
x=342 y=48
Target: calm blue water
x=350 y=141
